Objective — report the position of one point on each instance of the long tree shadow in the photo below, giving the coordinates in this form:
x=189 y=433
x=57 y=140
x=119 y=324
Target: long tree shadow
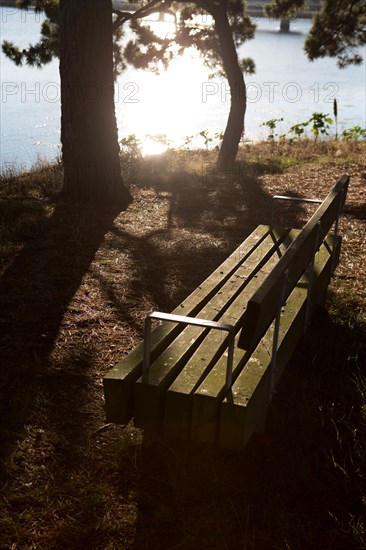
x=201 y=227
x=36 y=290
x=214 y=217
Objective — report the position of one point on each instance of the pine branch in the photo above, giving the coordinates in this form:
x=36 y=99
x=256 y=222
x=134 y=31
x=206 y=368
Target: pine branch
x=144 y=11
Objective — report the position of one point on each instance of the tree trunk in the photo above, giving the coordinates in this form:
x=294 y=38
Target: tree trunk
x=285 y=25
x=235 y=124
x=88 y=124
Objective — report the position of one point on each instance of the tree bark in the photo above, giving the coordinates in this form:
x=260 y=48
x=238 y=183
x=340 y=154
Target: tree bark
x=285 y=25
x=235 y=124
x=89 y=136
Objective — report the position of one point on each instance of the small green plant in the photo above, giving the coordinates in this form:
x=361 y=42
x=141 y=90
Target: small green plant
x=206 y=137
x=297 y=130
x=354 y=134
x=219 y=136
x=187 y=141
x=320 y=124
x=271 y=124
x=159 y=138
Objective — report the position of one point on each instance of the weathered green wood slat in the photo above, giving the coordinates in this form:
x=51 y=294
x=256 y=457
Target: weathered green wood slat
x=225 y=304
x=119 y=381
x=208 y=397
x=178 y=403
x=262 y=307
x=243 y=411
x=333 y=246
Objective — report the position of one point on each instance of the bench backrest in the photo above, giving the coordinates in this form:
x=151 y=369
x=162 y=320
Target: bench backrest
x=262 y=307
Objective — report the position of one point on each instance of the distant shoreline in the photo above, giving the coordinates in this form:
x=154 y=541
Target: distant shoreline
x=254 y=10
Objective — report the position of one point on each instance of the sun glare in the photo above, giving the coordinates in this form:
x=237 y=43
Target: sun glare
x=167 y=104
x=162 y=24
x=151 y=147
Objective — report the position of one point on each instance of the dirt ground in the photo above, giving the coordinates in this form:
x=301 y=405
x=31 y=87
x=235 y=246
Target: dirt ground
x=76 y=285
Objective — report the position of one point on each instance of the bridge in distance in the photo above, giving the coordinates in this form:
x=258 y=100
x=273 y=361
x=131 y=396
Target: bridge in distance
x=255 y=7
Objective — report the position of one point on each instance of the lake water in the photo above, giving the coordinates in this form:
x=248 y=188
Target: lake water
x=183 y=100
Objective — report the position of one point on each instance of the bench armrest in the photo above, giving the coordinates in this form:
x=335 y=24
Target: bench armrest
x=230 y=329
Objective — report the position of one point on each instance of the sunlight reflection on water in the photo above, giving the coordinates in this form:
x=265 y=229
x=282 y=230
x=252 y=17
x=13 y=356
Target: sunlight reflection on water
x=181 y=101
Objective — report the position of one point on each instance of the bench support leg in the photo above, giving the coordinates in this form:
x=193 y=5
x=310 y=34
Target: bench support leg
x=311 y=276
x=272 y=372
x=340 y=205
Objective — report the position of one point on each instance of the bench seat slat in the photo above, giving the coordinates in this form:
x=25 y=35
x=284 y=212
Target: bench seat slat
x=243 y=411
x=225 y=306
x=119 y=382
x=178 y=396
x=209 y=396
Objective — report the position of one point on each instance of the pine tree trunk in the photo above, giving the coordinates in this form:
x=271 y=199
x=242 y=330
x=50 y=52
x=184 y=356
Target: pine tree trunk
x=235 y=124
x=88 y=124
x=285 y=25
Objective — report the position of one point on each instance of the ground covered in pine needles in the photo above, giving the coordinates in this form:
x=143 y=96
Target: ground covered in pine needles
x=76 y=285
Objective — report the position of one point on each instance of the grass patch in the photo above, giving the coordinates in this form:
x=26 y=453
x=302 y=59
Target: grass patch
x=198 y=167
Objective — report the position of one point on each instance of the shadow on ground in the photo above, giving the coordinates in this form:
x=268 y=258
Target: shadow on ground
x=36 y=290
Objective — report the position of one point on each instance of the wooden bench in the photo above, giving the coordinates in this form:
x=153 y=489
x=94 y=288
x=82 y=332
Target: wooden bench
x=208 y=371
